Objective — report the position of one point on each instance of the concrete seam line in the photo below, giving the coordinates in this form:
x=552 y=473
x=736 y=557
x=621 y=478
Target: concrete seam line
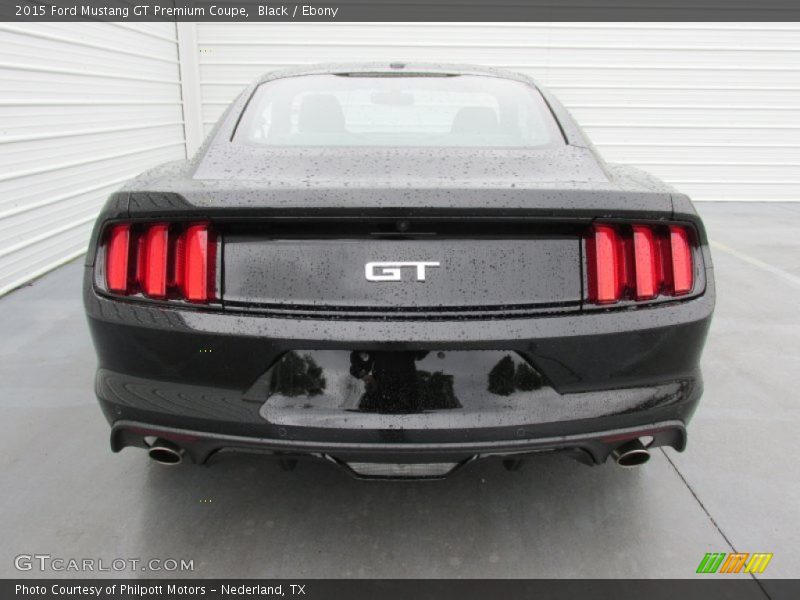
x=786 y=276
x=708 y=514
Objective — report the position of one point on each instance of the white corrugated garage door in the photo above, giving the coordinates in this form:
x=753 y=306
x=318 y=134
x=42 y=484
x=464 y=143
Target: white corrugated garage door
x=712 y=108
x=83 y=107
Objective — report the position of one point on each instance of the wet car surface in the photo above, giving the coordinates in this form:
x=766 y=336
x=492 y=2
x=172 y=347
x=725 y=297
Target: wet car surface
x=406 y=265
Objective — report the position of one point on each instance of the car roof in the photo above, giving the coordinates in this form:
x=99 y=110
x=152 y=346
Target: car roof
x=397 y=68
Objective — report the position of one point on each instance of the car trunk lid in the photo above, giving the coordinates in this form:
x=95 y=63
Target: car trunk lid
x=433 y=270
x=303 y=228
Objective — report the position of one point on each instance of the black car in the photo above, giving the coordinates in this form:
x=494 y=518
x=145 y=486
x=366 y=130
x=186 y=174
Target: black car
x=399 y=268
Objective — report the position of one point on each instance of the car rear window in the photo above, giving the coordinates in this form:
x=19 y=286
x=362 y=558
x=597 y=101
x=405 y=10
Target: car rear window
x=391 y=110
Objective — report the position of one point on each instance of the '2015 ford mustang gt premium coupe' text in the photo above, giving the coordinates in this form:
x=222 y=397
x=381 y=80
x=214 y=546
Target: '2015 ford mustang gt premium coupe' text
x=398 y=268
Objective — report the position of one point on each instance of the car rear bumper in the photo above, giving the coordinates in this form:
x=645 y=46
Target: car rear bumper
x=200 y=378
x=588 y=448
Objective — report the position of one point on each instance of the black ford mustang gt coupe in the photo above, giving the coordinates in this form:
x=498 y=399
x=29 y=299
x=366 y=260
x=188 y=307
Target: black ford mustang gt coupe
x=398 y=268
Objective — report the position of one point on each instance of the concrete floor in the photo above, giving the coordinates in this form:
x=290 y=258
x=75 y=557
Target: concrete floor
x=736 y=487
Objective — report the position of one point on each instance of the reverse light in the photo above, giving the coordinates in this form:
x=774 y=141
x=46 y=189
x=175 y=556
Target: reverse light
x=638 y=262
x=161 y=261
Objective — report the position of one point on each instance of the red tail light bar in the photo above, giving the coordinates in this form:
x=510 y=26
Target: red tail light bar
x=638 y=262
x=162 y=261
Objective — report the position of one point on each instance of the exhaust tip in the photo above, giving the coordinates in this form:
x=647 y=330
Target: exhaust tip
x=631 y=454
x=165 y=453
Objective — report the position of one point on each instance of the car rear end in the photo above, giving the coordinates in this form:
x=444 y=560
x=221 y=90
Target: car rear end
x=398 y=330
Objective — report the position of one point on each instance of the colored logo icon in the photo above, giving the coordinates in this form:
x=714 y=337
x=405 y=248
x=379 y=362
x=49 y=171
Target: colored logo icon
x=735 y=562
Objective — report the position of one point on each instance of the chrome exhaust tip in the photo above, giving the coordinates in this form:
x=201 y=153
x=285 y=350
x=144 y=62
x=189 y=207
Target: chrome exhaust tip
x=165 y=453
x=631 y=454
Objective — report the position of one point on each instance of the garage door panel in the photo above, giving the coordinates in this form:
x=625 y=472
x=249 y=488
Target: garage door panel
x=30 y=261
x=83 y=108
x=60 y=178
x=22 y=227
x=692 y=75
x=649 y=134
x=31 y=154
x=40 y=118
x=729 y=172
x=723 y=97
x=700 y=153
x=67 y=53
x=221 y=92
x=107 y=37
x=724 y=191
x=20 y=84
x=673 y=116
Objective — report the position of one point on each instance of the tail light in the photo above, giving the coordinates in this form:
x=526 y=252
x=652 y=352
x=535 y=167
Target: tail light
x=648 y=262
x=604 y=255
x=161 y=261
x=638 y=262
x=151 y=266
x=682 y=267
x=117 y=250
x=196 y=264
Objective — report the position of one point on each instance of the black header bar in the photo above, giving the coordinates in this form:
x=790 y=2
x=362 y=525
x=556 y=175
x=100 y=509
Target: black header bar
x=399 y=10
